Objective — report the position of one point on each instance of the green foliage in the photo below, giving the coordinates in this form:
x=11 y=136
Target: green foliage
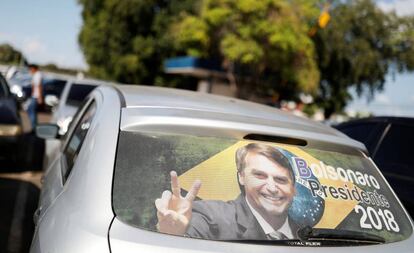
x=192 y=33
x=142 y=169
x=50 y=67
x=127 y=41
x=264 y=44
x=266 y=41
x=244 y=51
x=357 y=49
x=9 y=55
x=403 y=41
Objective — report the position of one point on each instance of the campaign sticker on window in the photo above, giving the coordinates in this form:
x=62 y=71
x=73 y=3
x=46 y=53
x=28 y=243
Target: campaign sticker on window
x=225 y=189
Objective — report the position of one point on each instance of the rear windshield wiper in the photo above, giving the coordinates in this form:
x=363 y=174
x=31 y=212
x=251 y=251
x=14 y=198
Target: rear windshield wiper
x=335 y=236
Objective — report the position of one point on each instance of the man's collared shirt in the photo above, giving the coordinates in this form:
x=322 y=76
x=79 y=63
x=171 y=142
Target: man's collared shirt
x=36 y=82
x=267 y=228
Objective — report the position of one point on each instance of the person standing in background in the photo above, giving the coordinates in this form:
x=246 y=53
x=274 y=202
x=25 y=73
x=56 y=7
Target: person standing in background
x=36 y=97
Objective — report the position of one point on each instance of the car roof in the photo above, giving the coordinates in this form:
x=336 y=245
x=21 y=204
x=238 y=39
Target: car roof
x=380 y=119
x=148 y=96
x=89 y=81
x=214 y=106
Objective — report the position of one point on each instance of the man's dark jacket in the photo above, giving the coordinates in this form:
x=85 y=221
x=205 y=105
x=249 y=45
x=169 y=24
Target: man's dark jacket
x=232 y=220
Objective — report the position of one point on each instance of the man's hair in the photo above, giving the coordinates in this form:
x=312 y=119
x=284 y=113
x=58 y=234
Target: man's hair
x=35 y=66
x=271 y=153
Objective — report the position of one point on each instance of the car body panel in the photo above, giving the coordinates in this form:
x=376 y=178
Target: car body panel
x=149 y=118
x=79 y=216
x=127 y=239
x=11 y=129
x=167 y=97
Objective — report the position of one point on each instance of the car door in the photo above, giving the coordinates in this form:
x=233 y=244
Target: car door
x=57 y=173
x=8 y=107
x=75 y=205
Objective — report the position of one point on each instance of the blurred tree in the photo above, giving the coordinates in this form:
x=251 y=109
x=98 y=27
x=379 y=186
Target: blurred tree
x=51 y=67
x=357 y=49
x=9 y=55
x=269 y=47
x=402 y=40
x=264 y=45
x=126 y=40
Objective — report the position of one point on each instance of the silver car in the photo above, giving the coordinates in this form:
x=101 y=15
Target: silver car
x=145 y=169
x=64 y=108
x=72 y=96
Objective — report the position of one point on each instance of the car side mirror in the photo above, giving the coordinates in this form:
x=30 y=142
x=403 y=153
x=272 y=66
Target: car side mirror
x=47 y=131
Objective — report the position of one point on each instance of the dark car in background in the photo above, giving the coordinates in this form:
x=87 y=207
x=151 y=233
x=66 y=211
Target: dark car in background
x=389 y=141
x=53 y=87
x=18 y=78
x=10 y=124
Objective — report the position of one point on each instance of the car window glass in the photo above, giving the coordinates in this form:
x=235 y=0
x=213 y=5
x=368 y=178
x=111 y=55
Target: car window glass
x=3 y=87
x=395 y=151
x=53 y=86
x=362 y=132
x=78 y=93
x=75 y=141
x=231 y=182
x=80 y=109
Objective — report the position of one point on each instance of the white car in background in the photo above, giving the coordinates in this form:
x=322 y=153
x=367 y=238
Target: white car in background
x=103 y=191
x=71 y=99
x=64 y=108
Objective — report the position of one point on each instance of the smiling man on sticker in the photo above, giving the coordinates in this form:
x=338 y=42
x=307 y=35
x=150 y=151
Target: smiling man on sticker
x=267 y=183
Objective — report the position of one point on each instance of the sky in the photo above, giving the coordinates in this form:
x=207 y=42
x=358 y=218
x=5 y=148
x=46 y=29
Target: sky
x=46 y=31
x=397 y=98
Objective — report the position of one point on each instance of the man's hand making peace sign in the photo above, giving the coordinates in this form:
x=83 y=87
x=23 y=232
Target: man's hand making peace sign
x=173 y=210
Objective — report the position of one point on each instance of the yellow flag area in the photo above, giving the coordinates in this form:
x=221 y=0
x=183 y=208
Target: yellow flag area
x=336 y=210
x=218 y=176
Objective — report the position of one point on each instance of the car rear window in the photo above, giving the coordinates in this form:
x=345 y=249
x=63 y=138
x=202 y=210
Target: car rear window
x=239 y=190
x=78 y=93
x=54 y=86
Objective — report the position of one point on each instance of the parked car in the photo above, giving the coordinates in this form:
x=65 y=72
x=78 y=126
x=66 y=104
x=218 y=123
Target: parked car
x=388 y=140
x=71 y=98
x=10 y=124
x=20 y=82
x=146 y=169
x=64 y=108
x=52 y=88
x=19 y=78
